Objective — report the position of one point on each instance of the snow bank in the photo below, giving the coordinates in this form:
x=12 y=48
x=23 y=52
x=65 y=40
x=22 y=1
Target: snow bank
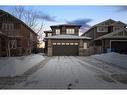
x=12 y=66
x=113 y=58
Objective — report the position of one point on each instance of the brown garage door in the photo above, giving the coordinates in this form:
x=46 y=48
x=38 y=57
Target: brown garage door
x=119 y=46
x=65 y=50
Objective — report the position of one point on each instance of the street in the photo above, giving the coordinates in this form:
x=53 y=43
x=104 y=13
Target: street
x=68 y=72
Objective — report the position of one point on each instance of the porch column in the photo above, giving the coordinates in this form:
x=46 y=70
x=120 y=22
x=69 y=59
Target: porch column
x=102 y=46
x=49 y=48
x=80 y=47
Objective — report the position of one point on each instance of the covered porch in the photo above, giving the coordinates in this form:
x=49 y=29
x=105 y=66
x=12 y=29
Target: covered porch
x=113 y=42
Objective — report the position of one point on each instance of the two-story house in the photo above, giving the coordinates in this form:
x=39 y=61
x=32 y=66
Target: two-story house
x=16 y=38
x=64 y=40
x=107 y=36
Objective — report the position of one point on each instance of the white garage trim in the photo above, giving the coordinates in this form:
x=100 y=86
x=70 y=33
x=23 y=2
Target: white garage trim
x=65 y=44
x=116 y=40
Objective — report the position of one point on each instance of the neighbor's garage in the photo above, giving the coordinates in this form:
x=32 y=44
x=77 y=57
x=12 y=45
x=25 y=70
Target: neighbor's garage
x=119 y=46
x=65 y=49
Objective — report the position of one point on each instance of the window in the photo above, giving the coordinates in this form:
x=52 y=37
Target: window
x=7 y=26
x=57 y=31
x=70 y=31
x=101 y=29
x=67 y=43
x=117 y=28
x=63 y=43
x=71 y=43
x=54 y=43
x=85 y=45
x=49 y=34
x=76 y=43
x=58 y=43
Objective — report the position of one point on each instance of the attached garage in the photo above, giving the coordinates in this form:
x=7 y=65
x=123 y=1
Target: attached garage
x=119 y=46
x=66 y=45
x=65 y=49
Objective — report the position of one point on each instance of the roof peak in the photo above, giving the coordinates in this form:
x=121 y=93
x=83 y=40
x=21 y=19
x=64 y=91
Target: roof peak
x=19 y=20
x=65 y=25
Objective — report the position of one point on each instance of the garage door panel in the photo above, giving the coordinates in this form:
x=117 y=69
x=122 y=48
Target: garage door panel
x=65 y=50
x=119 y=46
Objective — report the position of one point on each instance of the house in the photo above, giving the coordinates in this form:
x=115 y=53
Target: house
x=107 y=36
x=16 y=38
x=64 y=40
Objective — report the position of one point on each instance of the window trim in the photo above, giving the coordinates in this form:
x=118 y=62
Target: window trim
x=85 y=45
x=57 y=31
x=69 y=31
x=101 y=29
x=7 y=26
x=49 y=34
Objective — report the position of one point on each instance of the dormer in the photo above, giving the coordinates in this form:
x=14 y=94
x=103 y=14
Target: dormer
x=65 y=29
x=48 y=33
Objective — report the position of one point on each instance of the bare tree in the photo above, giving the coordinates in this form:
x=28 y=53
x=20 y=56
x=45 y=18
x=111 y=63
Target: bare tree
x=31 y=18
x=19 y=12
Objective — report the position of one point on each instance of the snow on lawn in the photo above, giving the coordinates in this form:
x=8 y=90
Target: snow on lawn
x=113 y=58
x=12 y=66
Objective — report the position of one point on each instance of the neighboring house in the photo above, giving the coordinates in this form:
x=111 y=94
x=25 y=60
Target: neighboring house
x=16 y=38
x=64 y=40
x=108 y=36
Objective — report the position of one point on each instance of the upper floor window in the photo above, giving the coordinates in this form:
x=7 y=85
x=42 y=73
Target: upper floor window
x=70 y=31
x=49 y=34
x=57 y=31
x=101 y=29
x=117 y=28
x=7 y=26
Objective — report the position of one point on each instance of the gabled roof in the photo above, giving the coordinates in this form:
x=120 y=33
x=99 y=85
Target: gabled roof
x=119 y=23
x=116 y=34
x=67 y=37
x=48 y=31
x=73 y=25
x=17 y=20
x=106 y=23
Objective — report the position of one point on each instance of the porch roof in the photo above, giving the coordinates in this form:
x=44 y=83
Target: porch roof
x=67 y=37
x=116 y=34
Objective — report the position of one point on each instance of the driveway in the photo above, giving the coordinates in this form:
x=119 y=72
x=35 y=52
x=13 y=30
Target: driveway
x=68 y=72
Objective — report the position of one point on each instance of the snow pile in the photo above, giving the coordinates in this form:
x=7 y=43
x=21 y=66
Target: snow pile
x=12 y=66
x=113 y=58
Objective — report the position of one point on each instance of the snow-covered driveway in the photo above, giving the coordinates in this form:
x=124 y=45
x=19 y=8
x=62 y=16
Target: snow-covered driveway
x=69 y=72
